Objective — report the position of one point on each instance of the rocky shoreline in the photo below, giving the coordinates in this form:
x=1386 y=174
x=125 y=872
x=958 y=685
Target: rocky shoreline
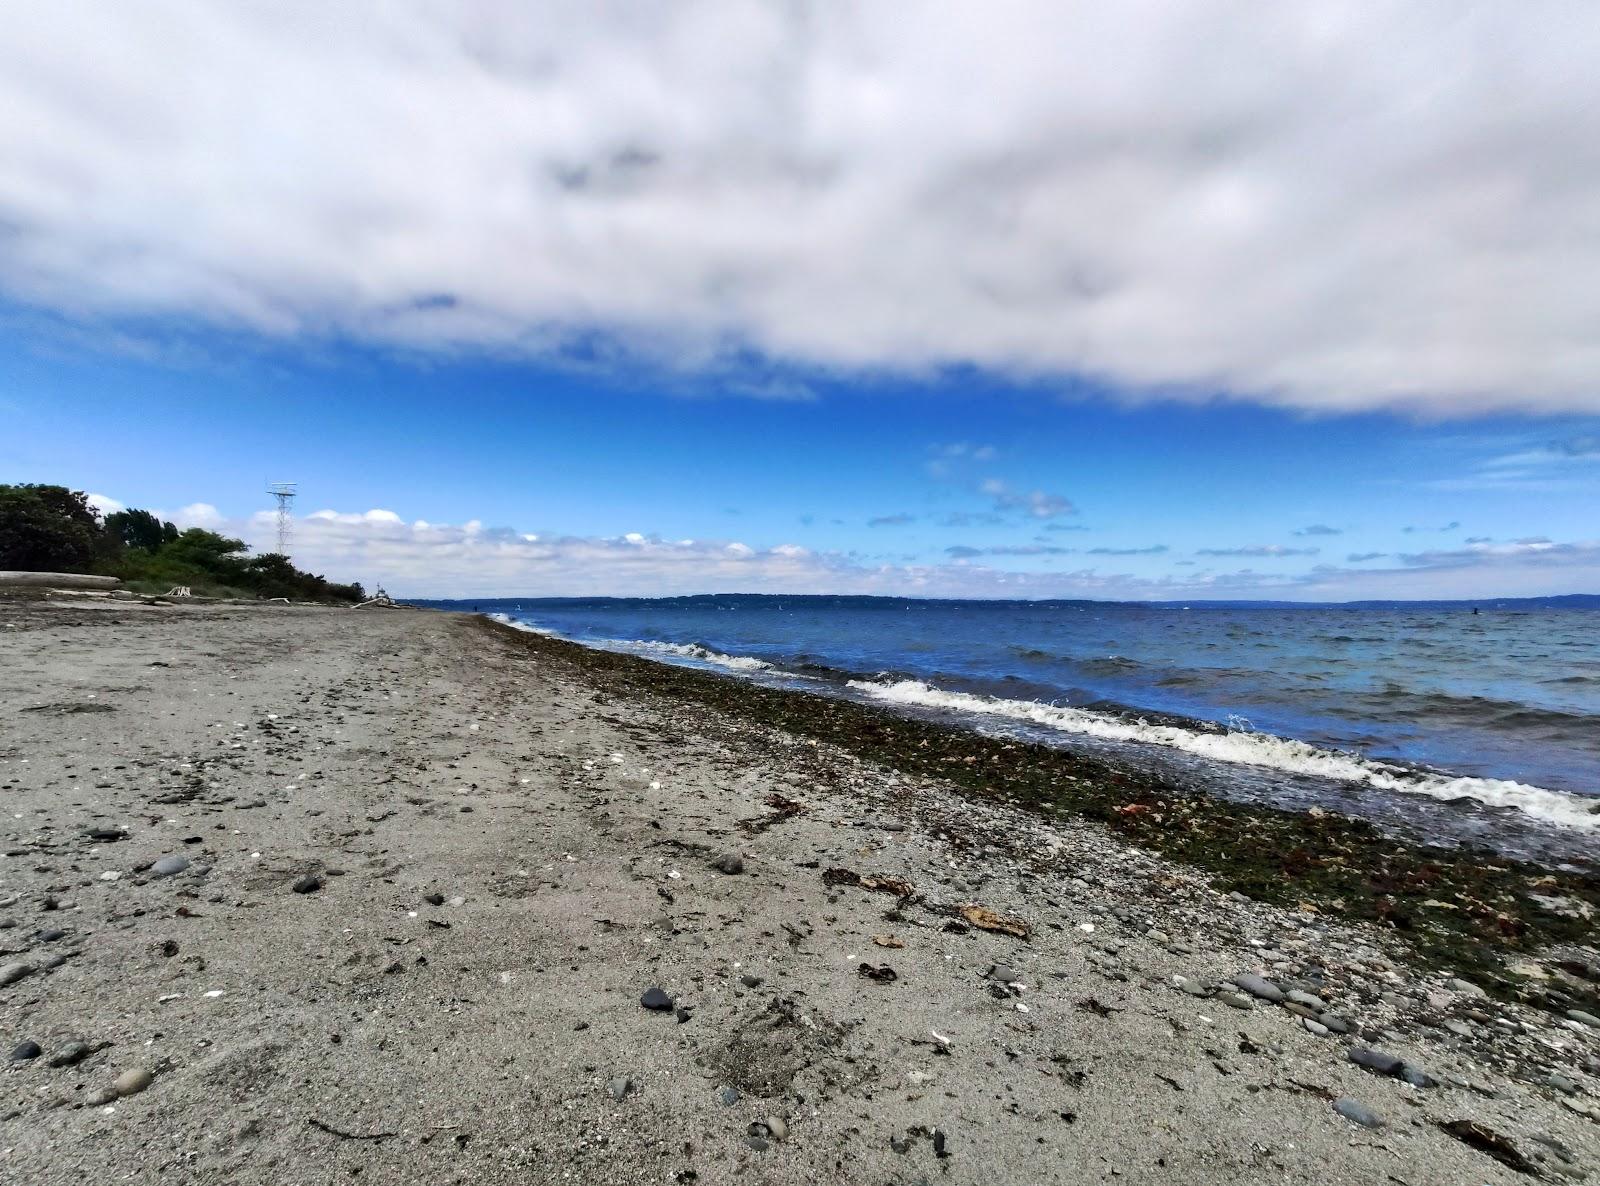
x=299 y=895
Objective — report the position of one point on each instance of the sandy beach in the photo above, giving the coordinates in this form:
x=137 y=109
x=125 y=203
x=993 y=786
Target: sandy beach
x=383 y=895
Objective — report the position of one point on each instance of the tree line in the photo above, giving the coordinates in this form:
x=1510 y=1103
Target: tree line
x=54 y=529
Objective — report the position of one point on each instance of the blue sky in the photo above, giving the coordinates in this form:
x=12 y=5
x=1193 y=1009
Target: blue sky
x=591 y=306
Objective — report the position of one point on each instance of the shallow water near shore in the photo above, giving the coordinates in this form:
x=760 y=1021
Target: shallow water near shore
x=1446 y=724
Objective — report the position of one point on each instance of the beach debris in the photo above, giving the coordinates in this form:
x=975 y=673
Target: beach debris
x=356 y=1136
x=897 y=886
x=655 y=999
x=883 y=973
x=990 y=920
x=888 y=941
x=1484 y=1139
x=782 y=808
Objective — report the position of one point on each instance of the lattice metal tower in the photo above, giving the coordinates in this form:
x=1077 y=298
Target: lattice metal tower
x=284 y=493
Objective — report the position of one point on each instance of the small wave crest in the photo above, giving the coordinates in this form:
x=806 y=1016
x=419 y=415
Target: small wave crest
x=700 y=654
x=1249 y=748
x=519 y=624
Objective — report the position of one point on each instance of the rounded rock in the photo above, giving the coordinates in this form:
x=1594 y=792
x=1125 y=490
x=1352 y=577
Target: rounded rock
x=309 y=884
x=1258 y=986
x=655 y=999
x=1355 y=1110
x=134 y=1081
x=26 y=1052
x=169 y=866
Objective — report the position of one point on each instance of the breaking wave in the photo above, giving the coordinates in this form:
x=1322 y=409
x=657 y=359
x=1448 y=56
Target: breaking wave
x=1253 y=749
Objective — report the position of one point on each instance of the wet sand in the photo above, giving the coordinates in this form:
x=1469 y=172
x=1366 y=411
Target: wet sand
x=505 y=841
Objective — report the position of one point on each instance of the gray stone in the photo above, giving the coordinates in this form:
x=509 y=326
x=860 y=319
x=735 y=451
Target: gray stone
x=1308 y=1000
x=1258 y=986
x=656 y=999
x=1561 y=1083
x=169 y=866
x=26 y=1052
x=1315 y=1027
x=1577 y=1015
x=134 y=1081
x=729 y=1096
x=759 y=1144
x=71 y=1054
x=309 y=884
x=1335 y=1023
x=1457 y=984
x=1459 y=1028
x=777 y=1127
x=1416 y=1076
x=1375 y=1060
x=619 y=1088
x=1004 y=973
x=729 y=862
x=11 y=973
x=1355 y=1110
x=750 y=981
x=1193 y=987
x=51 y=935
x=1238 y=1000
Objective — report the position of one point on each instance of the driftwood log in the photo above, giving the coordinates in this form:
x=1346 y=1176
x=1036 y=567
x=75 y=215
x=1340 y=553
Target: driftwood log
x=55 y=580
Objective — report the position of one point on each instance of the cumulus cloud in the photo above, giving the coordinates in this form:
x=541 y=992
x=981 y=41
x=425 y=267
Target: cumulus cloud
x=420 y=558
x=1316 y=205
x=104 y=505
x=1258 y=550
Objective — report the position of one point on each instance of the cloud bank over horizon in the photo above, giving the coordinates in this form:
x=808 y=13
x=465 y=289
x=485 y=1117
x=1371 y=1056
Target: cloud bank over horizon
x=423 y=559
x=1318 y=207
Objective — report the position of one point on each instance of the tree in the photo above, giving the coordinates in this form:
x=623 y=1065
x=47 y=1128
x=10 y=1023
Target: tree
x=139 y=529
x=46 y=529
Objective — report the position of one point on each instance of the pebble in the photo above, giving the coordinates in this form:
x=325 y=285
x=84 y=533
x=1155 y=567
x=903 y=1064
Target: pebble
x=309 y=884
x=729 y=862
x=656 y=999
x=1335 y=1023
x=25 y=1051
x=71 y=1054
x=759 y=1144
x=1561 y=1083
x=1308 y=1000
x=11 y=973
x=777 y=1127
x=750 y=981
x=1193 y=987
x=1417 y=1077
x=133 y=1082
x=1376 y=1060
x=1257 y=986
x=1459 y=1028
x=1355 y=1110
x=433 y=899
x=169 y=866
x=729 y=1096
x=1456 y=984
x=619 y=1088
x=1237 y=999
x=1577 y=1015
x=52 y=935
x=1315 y=1027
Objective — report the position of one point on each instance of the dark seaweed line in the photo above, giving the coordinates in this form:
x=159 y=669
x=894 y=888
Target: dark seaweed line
x=1464 y=909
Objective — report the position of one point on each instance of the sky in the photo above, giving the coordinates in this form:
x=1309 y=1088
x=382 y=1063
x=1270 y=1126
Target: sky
x=1067 y=300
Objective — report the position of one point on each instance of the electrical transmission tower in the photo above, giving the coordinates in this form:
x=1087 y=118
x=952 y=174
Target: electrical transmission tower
x=284 y=493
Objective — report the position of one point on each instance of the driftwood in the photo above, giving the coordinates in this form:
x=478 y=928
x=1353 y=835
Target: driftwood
x=56 y=580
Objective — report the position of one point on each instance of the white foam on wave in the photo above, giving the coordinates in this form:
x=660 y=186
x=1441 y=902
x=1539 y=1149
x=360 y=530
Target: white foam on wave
x=679 y=650
x=519 y=624
x=1253 y=749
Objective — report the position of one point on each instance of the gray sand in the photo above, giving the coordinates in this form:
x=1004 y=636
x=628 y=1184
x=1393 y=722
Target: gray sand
x=357 y=1032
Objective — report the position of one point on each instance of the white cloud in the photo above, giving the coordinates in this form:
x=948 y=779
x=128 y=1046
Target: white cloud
x=104 y=505
x=1317 y=205
x=425 y=559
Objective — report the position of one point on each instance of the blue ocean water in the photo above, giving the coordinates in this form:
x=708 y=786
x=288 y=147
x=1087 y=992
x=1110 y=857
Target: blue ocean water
x=1402 y=712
